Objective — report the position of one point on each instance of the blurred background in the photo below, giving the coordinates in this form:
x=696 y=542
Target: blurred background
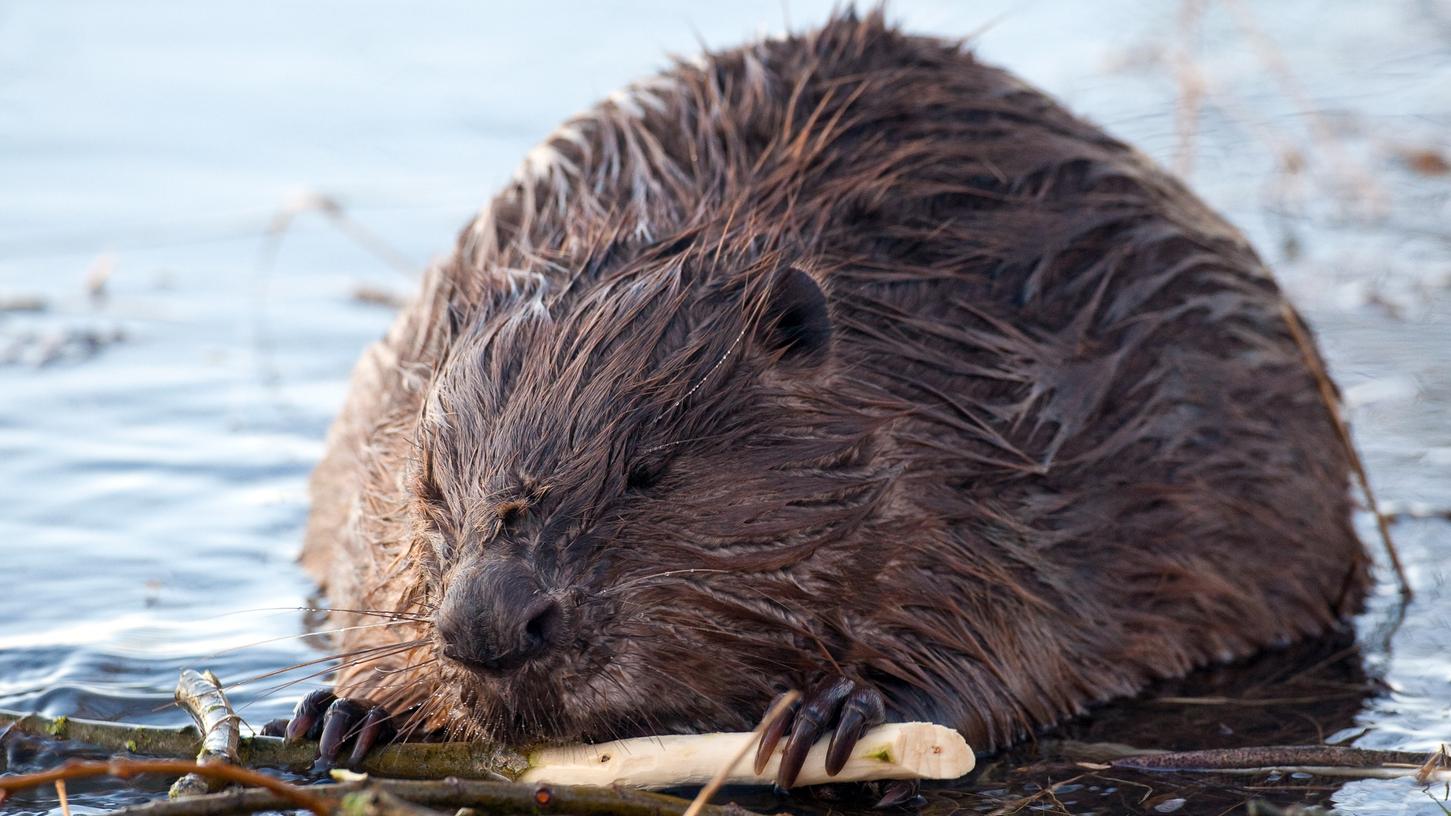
x=208 y=209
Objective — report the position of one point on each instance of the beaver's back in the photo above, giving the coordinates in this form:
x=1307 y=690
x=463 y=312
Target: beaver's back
x=1114 y=461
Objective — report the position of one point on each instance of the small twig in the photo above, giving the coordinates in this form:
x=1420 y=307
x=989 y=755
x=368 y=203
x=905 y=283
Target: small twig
x=1191 y=87
x=1049 y=792
x=200 y=695
x=703 y=797
x=1437 y=761
x=366 y=238
x=126 y=768
x=1250 y=701
x=1361 y=180
x=332 y=210
x=65 y=805
x=1332 y=406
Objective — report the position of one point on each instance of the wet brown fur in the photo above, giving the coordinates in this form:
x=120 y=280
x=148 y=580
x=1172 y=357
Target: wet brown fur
x=1059 y=444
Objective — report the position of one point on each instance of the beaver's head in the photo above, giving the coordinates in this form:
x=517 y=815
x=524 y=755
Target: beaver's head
x=640 y=493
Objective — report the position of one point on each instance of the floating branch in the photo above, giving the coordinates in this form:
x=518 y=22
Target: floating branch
x=1319 y=760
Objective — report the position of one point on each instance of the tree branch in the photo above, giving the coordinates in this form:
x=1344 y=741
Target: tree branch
x=406 y=760
x=496 y=798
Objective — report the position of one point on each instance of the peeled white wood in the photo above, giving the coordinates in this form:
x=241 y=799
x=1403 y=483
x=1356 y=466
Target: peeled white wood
x=892 y=751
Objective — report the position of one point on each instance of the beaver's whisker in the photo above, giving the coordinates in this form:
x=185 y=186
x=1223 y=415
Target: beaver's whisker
x=327 y=658
x=704 y=627
x=384 y=652
x=641 y=580
x=415 y=721
x=651 y=671
x=423 y=616
x=409 y=667
x=299 y=636
x=651 y=725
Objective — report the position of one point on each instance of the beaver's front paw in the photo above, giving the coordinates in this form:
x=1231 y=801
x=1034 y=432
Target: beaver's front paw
x=840 y=705
x=334 y=721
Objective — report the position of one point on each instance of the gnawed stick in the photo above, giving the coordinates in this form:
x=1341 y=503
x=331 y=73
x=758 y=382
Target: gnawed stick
x=893 y=751
x=200 y=695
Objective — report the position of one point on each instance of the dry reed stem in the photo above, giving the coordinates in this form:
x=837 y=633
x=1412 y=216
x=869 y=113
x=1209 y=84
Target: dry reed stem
x=65 y=804
x=1332 y=406
x=1191 y=88
x=1437 y=761
x=1049 y=792
x=703 y=797
x=333 y=211
x=1361 y=180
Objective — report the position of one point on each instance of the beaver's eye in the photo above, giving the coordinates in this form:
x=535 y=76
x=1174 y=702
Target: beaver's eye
x=798 y=318
x=510 y=511
x=644 y=475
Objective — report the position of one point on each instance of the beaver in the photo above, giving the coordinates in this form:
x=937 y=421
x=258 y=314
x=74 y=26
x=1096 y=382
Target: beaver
x=839 y=362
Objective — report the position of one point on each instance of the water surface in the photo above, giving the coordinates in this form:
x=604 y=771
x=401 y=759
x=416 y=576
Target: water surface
x=156 y=434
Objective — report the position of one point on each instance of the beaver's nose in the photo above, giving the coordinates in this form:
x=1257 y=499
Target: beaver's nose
x=497 y=619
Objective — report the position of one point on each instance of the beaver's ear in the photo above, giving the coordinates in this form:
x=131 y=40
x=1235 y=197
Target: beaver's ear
x=796 y=322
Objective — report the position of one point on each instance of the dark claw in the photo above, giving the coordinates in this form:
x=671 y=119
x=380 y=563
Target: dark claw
x=773 y=733
x=341 y=721
x=377 y=727
x=900 y=792
x=862 y=709
x=818 y=709
x=335 y=722
x=307 y=717
x=838 y=705
x=274 y=728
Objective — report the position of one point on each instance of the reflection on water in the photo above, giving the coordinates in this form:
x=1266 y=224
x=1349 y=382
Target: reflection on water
x=164 y=387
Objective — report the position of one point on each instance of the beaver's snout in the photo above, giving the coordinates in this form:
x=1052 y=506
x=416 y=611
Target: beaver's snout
x=496 y=618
